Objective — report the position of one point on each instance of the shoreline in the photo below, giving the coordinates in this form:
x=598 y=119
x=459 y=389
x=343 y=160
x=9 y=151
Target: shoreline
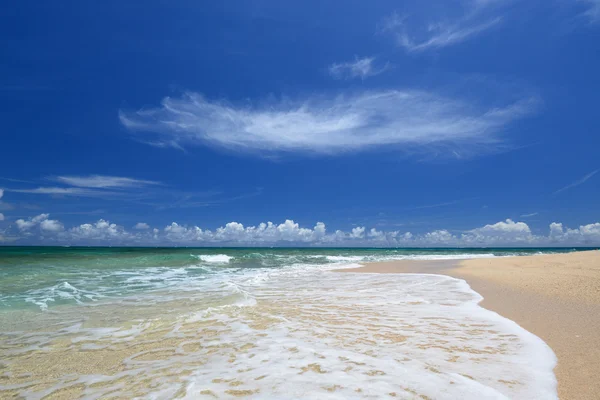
x=554 y=296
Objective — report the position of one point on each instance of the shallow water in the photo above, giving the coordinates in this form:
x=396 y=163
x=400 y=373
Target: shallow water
x=268 y=323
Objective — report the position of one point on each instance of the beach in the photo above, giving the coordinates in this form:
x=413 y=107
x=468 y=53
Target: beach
x=89 y=323
x=554 y=296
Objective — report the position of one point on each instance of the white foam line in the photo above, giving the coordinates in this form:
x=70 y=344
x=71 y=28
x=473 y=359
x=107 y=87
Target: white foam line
x=549 y=362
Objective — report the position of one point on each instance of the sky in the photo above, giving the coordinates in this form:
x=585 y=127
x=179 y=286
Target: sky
x=340 y=123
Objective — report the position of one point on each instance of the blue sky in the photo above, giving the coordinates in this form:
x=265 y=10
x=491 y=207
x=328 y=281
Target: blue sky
x=450 y=117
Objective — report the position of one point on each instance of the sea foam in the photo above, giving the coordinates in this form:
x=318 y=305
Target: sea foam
x=215 y=258
x=303 y=332
x=299 y=331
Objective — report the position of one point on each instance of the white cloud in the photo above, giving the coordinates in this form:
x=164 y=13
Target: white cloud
x=141 y=226
x=51 y=225
x=1 y=193
x=102 y=181
x=577 y=182
x=101 y=230
x=501 y=232
x=446 y=31
x=593 y=11
x=178 y=233
x=556 y=230
x=1 y=217
x=376 y=235
x=289 y=231
x=90 y=186
x=406 y=120
x=584 y=235
x=60 y=191
x=358 y=232
x=439 y=237
x=443 y=35
x=360 y=68
x=529 y=215
x=503 y=227
x=25 y=225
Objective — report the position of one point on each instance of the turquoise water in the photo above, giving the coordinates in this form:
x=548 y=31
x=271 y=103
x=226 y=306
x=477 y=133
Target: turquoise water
x=46 y=277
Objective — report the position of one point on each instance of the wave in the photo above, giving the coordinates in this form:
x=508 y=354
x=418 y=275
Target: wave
x=214 y=258
x=344 y=258
x=414 y=335
x=61 y=291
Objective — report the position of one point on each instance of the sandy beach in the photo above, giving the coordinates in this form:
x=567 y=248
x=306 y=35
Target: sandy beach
x=556 y=297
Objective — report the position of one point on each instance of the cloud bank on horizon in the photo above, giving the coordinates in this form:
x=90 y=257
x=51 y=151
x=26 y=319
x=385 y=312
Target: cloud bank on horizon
x=41 y=229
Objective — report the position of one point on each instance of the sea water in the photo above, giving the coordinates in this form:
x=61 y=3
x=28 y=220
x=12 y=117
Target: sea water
x=255 y=323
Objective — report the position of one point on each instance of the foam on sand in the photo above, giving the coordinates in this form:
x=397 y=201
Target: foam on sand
x=305 y=333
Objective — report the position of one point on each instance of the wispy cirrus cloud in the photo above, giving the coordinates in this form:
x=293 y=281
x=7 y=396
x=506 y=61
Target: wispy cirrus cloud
x=445 y=32
x=446 y=35
x=593 y=10
x=577 y=182
x=138 y=192
x=359 y=68
x=63 y=191
x=103 y=181
x=88 y=186
x=405 y=120
x=529 y=215
x=437 y=205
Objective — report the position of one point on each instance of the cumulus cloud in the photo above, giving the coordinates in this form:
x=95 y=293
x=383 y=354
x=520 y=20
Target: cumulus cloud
x=141 y=226
x=25 y=225
x=503 y=233
x=1 y=193
x=51 y=225
x=103 y=181
x=585 y=235
x=406 y=120
x=358 y=232
x=440 y=237
x=42 y=221
x=234 y=232
x=359 y=68
x=101 y=230
x=1 y=217
x=556 y=230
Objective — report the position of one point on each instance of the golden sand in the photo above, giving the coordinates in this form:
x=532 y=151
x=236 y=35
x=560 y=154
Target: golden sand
x=556 y=297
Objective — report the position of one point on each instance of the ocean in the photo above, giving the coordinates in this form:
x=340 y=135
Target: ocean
x=260 y=323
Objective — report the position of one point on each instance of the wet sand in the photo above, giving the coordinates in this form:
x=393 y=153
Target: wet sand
x=556 y=297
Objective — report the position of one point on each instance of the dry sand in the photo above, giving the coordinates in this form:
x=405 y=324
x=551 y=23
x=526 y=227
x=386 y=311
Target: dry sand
x=556 y=297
